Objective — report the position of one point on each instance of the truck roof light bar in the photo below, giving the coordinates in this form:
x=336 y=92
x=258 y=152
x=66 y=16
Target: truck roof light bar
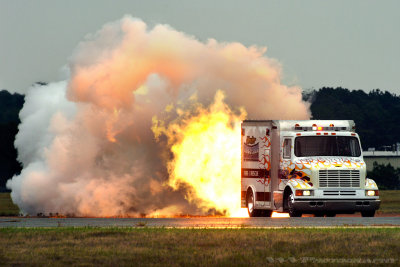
x=319 y=128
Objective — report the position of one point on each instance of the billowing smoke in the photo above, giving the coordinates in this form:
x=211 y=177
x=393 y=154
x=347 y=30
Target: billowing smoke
x=112 y=139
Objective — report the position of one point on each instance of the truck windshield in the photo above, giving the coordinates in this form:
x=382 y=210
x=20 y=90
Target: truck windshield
x=308 y=146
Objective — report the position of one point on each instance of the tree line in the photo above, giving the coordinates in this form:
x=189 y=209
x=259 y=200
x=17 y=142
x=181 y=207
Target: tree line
x=10 y=105
x=376 y=114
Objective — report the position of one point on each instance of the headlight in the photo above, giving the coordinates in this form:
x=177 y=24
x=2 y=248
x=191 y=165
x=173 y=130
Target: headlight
x=300 y=193
x=372 y=193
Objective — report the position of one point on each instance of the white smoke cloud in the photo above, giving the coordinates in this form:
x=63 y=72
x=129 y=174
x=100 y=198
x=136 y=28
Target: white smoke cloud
x=87 y=145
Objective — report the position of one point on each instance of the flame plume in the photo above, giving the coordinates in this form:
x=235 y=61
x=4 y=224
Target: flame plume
x=206 y=156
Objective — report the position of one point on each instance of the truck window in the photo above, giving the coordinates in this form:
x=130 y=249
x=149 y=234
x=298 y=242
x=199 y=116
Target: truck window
x=308 y=146
x=286 y=148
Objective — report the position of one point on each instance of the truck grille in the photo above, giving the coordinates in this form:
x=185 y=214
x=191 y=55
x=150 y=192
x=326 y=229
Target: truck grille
x=339 y=193
x=339 y=178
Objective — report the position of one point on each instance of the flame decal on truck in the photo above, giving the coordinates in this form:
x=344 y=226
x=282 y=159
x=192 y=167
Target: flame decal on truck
x=370 y=184
x=265 y=161
x=305 y=165
x=300 y=170
x=299 y=184
x=328 y=162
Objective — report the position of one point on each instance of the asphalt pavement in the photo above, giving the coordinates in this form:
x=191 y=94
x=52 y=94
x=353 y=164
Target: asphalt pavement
x=200 y=222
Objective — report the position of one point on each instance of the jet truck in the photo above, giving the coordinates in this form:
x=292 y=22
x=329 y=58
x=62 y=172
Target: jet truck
x=304 y=167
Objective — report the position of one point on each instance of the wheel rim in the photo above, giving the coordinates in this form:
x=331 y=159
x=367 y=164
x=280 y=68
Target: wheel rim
x=250 y=204
x=291 y=200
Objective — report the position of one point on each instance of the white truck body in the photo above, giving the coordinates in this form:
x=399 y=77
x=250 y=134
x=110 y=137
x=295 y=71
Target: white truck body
x=310 y=166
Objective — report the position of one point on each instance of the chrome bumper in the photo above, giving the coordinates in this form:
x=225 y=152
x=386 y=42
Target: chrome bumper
x=337 y=206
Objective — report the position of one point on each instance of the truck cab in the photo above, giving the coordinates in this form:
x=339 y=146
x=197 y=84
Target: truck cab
x=305 y=167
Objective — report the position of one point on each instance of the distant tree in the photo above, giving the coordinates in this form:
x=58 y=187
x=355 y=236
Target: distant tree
x=10 y=105
x=9 y=166
x=386 y=176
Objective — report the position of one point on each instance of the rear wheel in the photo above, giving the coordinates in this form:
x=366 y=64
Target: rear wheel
x=250 y=204
x=251 y=207
x=368 y=213
x=292 y=211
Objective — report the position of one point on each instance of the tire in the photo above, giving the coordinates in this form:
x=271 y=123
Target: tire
x=251 y=207
x=250 y=203
x=368 y=213
x=292 y=211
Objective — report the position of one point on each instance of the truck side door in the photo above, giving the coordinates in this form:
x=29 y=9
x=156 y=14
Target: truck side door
x=286 y=161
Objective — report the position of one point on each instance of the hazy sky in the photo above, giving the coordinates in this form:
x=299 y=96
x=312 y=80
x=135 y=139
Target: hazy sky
x=353 y=44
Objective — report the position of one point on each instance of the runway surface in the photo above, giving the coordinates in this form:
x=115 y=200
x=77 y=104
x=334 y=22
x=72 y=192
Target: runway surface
x=199 y=222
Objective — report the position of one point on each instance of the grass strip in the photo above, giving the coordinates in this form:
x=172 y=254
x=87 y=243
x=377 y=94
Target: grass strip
x=197 y=247
x=390 y=202
x=7 y=207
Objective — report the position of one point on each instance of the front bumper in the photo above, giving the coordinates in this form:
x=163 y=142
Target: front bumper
x=337 y=206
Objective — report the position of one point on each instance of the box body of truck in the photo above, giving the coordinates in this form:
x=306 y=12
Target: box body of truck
x=310 y=166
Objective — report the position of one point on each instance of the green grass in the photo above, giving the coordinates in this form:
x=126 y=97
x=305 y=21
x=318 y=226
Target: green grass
x=193 y=247
x=390 y=201
x=7 y=207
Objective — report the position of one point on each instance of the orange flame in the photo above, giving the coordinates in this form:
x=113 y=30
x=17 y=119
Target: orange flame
x=206 y=149
x=279 y=215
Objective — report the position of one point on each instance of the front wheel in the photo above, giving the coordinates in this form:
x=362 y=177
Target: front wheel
x=368 y=213
x=292 y=211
